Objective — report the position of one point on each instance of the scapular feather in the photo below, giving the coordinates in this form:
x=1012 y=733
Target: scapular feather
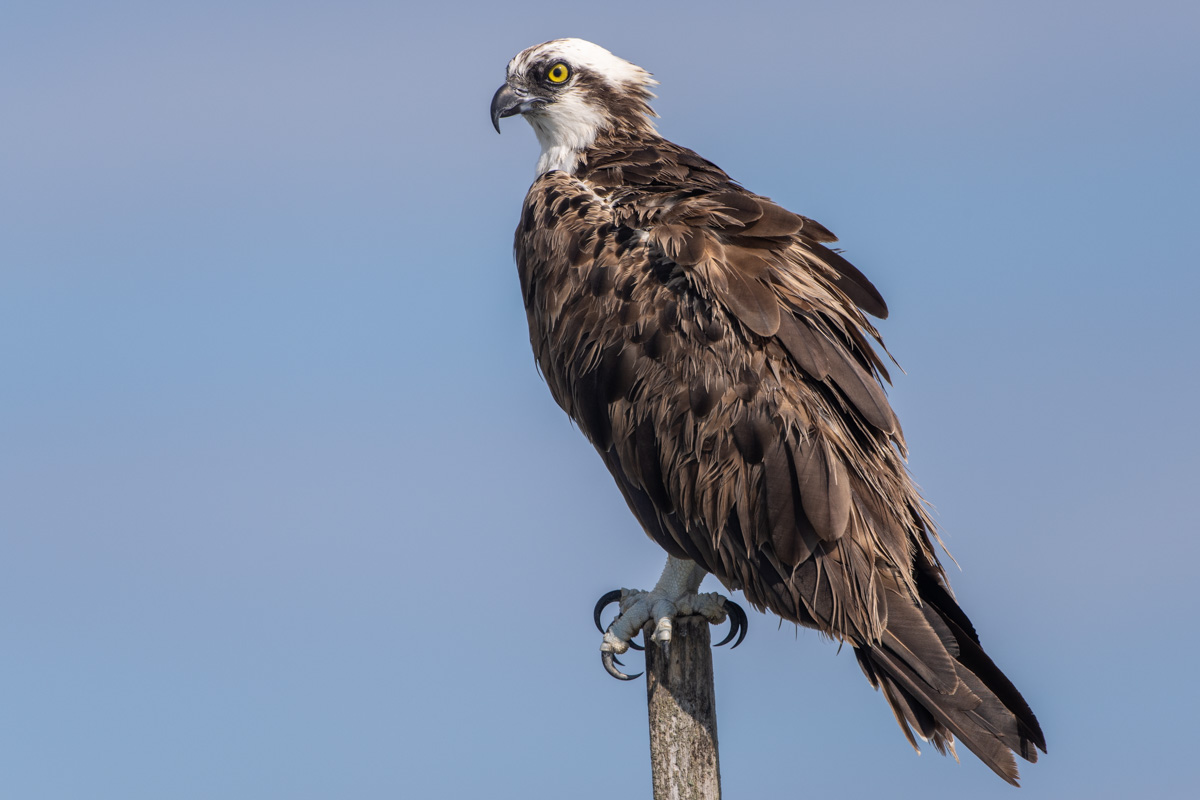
x=738 y=205
x=774 y=221
x=749 y=263
x=805 y=345
x=861 y=389
x=816 y=231
x=856 y=285
x=753 y=302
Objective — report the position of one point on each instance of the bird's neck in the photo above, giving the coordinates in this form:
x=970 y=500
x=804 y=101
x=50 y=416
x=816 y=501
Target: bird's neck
x=557 y=155
x=566 y=139
x=610 y=144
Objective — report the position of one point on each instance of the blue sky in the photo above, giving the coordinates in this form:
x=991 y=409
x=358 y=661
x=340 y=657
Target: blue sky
x=285 y=510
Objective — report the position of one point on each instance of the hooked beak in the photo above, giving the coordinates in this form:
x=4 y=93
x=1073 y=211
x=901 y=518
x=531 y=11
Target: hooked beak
x=509 y=101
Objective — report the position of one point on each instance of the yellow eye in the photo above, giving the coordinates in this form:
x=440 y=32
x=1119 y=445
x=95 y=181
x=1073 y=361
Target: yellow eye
x=558 y=73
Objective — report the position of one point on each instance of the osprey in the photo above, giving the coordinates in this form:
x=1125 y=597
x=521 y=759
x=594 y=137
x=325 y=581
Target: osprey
x=716 y=352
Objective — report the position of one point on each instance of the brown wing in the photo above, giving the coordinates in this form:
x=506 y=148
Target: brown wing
x=714 y=352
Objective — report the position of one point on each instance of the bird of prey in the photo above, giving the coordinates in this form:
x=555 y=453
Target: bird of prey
x=716 y=351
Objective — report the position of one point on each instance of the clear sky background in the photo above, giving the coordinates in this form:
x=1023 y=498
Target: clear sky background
x=286 y=511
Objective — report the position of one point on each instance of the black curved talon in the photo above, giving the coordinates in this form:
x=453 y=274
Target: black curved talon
x=610 y=667
x=738 y=624
x=608 y=597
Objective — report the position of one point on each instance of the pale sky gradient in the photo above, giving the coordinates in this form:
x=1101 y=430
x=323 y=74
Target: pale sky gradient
x=286 y=512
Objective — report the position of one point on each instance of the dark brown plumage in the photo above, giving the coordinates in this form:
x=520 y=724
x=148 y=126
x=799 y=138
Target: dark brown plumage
x=716 y=353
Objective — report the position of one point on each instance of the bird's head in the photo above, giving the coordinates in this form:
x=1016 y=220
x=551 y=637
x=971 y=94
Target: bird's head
x=570 y=90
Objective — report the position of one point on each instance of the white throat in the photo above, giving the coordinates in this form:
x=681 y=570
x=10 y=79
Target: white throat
x=564 y=130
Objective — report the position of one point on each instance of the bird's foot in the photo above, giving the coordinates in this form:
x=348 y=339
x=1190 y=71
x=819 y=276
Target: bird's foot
x=661 y=606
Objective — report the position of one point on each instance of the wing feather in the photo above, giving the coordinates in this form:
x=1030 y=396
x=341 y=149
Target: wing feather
x=824 y=488
x=856 y=285
x=753 y=302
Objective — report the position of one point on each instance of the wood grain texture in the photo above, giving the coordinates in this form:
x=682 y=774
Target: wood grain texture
x=683 y=714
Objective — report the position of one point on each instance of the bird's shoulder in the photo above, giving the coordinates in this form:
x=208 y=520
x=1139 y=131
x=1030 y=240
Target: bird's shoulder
x=647 y=218
x=693 y=210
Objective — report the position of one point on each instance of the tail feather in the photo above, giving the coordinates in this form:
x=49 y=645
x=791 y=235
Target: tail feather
x=941 y=685
x=972 y=656
x=953 y=713
x=915 y=718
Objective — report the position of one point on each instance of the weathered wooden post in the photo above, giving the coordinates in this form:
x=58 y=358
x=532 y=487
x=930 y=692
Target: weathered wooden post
x=683 y=713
